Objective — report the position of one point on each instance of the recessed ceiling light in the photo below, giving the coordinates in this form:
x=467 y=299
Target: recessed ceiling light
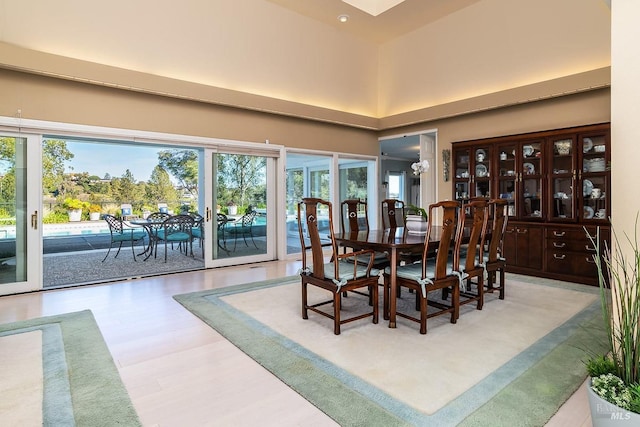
x=343 y=18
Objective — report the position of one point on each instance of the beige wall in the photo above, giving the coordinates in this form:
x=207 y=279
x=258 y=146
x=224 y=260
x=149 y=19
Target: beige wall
x=491 y=46
x=252 y=46
x=52 y=99
x=625 y=113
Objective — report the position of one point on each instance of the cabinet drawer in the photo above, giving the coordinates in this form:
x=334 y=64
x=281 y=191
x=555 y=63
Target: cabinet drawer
x=575 y=264
x=563 y=245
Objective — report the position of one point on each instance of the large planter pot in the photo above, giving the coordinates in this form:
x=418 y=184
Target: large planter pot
x=75 y=215
x=605 y=414
x=233 y=210
x=416 y=224
x=94 y=216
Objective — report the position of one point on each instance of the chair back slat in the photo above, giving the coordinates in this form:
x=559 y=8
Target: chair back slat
x=479 y=212
x=115 y=225
x=393 y=212
x=452 y=219
x=354 y=216
x=499 y=225
x=308 y=211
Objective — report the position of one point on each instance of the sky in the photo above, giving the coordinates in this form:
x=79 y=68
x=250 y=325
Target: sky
x=114 y=159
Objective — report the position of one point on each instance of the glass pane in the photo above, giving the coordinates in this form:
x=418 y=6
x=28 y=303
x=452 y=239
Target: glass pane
x=507 y=192
x=241 y=188
x=307 y=176
x=594 y=198
x=507 y=161
x=462 y=164
x=13 y=215
x=563 y=197
x=531 y=194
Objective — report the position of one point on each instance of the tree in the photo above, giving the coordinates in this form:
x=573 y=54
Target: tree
x=125 y=190
x=239 y=175
x=160 y=188
x=183 y=165
x=54 y=155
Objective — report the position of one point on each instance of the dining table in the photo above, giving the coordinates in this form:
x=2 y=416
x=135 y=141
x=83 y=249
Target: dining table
x=394 y=241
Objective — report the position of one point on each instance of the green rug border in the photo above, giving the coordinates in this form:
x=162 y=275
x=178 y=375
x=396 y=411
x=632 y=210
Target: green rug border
x=98 y=396
x=529 y=400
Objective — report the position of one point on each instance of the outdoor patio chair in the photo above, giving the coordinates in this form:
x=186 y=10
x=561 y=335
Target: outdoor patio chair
x=198 y=229
x=242 y=227
x=121 y=233
x=176 y=229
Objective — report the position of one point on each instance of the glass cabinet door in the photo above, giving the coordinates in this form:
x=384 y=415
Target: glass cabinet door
x=481 y=172
x=508 y=176
x=594 y=178
x=531 y=180
x=463 y=175
x=562 y=178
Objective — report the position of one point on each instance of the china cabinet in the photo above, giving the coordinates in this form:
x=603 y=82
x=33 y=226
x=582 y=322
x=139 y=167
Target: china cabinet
x=556 y=183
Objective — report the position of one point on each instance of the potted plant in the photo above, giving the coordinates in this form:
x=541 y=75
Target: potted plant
x=94 y=212
x=614 y=388
x=74 y=208
x=416 y=222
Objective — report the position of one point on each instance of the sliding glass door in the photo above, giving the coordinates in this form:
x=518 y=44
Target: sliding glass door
x=241 y=197
x=19 y=214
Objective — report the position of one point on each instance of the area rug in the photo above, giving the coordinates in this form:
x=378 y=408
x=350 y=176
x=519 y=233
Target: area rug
x=62 y=365
x=513 y=363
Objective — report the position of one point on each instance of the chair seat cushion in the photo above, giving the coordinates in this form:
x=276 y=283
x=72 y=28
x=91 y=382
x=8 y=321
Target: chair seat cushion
x=196 y=232
x=414 y=271
x=173 y=237
x=345 y=271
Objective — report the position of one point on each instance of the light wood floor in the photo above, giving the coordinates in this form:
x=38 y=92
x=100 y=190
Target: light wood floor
x=180 y=372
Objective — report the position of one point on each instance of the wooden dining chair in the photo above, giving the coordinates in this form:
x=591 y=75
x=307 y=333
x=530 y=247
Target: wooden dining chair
x=354 y=219
x=337 y=275
x=495 y=263
x=393 y=212
x=433 y=272
x=469 y=260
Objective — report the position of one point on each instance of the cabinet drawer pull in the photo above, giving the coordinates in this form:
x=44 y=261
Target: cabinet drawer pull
x=522 y=231
x=559 y=233
x=559 y=245
x=556 y=256
x=589 y=260
x=589 y=248
x=592 y=237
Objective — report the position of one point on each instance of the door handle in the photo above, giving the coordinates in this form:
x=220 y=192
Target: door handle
x=34 y=220
x=207 y=214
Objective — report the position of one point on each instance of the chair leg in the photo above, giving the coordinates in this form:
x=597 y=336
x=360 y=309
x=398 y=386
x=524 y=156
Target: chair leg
x=480 y=292
x=337 y=299
x=109 y=251
x=119 y=247
x=373 y=295
x=305 y=314
x=455 y=301
x=423 y=312
x=385 y=298
x=133 y=251
x=501 y=283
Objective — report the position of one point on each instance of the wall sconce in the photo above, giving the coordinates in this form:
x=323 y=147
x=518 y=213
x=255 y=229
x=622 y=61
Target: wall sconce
x=420 y=167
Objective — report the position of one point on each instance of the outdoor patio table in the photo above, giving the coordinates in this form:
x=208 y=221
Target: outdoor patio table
x=150 y=227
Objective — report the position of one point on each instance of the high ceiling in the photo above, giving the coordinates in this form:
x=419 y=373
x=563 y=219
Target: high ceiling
x=403 y=18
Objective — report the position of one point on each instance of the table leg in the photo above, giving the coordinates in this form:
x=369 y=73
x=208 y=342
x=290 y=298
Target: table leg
x=392 y=287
